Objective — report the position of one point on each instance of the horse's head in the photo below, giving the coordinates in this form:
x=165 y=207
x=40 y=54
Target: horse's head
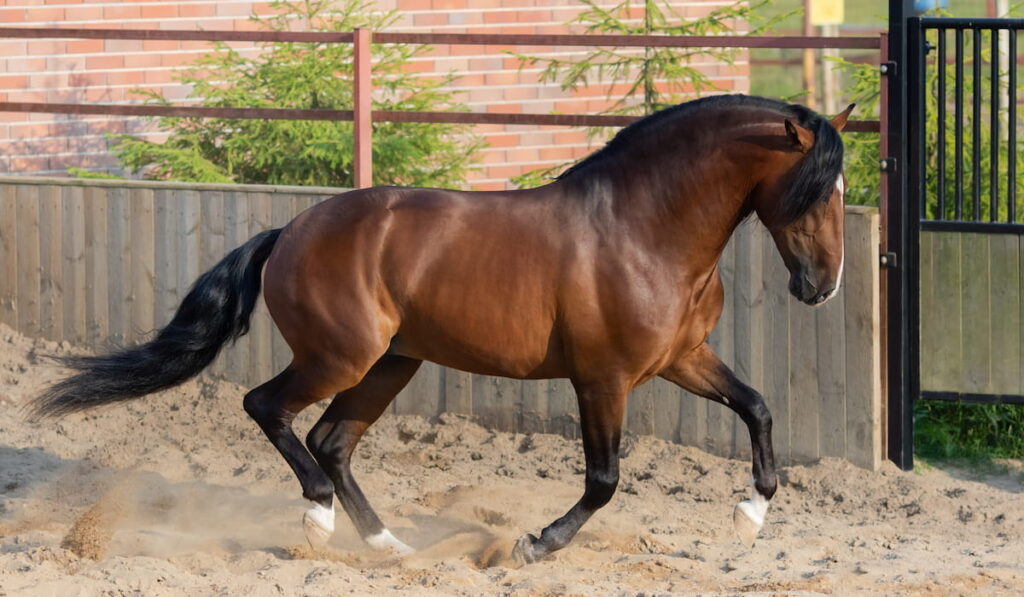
x=804 y=211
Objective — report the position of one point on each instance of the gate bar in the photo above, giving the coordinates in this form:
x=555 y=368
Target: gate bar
x=976 y=128
x=958 y=148
x=993 y=144
x=941 y=139
x=1011 y=158
x=899 y=386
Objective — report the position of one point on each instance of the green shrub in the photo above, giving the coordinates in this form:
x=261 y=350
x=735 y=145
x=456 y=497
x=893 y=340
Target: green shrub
x=306 y=76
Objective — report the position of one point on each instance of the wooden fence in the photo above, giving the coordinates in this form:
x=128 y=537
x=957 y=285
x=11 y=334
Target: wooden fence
x=104 y=262
x=971 y=313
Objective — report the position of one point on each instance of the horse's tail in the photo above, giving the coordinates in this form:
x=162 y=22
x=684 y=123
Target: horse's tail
x=216 y=310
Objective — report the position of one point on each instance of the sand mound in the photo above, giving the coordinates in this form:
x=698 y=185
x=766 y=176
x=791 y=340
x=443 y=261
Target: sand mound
x=180 y=494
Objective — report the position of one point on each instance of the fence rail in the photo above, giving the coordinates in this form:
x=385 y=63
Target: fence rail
x=361 y=40
x=102 y=262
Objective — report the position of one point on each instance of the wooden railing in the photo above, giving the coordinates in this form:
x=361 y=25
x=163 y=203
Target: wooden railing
x=363 y=115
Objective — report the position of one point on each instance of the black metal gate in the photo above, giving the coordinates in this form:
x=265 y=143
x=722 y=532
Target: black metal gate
x=954 y=228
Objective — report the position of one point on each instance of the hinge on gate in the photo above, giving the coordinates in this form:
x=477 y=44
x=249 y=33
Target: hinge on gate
x=887 y=165
x=887 y=68
x=887 y=260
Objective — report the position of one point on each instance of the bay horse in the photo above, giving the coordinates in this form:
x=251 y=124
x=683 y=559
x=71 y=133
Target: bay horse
x=607 y=276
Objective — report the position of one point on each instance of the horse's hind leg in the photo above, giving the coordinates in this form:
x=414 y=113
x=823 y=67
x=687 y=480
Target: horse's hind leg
x=274 y=406
x=702 y=373
x=601 y=411
x=335 y=436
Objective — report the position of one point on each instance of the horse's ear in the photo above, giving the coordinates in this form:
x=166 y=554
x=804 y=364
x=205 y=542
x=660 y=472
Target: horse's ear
x=801 y=138
x=839 y=120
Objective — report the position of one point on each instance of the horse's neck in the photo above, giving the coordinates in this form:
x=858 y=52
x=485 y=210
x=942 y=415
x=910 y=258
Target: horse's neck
x=694 y=209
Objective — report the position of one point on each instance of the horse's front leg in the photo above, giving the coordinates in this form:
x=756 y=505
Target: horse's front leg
x=702 y=373
x=601 y=411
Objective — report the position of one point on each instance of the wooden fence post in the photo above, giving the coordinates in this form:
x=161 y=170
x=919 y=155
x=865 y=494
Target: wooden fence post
x=362 y=110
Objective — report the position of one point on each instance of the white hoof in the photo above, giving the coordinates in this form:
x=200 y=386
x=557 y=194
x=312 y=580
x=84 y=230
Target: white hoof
x=747 y=523
x=522 y=553
x=748 y=517
x=318 y=523
x=385 y=541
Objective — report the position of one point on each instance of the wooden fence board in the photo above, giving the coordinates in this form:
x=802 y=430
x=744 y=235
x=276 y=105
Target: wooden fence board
x=831 y=349
x=942 y=359
x=9 y=255
x=1006 y=320
x=167 y=221
x=693 y=418
x=640 y=409
x=51 y=259
x=563 y=412
x=929 y=303
x=776 y=388
x=97 y=302
x=803 y=384
x=666 y=410
x=976 y=317
x=143 y=277
x=74 y=284
x=187 y=209
x=1020 y=366
x=458 y=393
x=119 y=250
x=423 y=394
x=863 y=365
x=721 y=419
x=534 y=406
x=28 y=260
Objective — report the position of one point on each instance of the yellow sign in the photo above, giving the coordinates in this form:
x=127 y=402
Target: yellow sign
x=826 y=12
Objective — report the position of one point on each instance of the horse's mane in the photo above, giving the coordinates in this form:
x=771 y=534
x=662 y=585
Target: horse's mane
x=815 y=173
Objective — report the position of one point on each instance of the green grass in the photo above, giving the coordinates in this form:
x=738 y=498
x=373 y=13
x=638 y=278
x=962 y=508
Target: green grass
x=975 y=432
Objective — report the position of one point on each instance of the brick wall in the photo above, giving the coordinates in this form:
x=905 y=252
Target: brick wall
x=106 y=71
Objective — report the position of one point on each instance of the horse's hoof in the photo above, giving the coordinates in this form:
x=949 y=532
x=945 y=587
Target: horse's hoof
x=748 y=522
x=385 y=541
x=523 y=553
x=318 y=523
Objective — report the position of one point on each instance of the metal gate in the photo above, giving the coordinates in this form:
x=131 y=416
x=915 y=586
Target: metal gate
x=955 y=231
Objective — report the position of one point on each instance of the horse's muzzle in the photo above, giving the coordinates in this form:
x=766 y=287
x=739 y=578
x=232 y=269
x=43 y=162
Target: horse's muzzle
x=808 y=293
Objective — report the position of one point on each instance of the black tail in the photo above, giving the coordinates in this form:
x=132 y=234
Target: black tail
x=216 y=310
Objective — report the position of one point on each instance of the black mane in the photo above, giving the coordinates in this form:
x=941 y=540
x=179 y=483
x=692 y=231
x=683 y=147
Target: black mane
x=815 y=174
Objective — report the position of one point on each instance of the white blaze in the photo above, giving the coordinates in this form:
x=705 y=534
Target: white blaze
x=842 y=262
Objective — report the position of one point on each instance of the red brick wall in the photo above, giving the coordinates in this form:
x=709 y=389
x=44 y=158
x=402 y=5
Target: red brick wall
x=105 y=71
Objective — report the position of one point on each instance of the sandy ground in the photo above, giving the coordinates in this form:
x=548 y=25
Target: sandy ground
x=180 y=494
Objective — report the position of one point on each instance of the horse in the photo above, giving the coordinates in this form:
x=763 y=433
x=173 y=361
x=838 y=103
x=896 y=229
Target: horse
x=607 y=276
